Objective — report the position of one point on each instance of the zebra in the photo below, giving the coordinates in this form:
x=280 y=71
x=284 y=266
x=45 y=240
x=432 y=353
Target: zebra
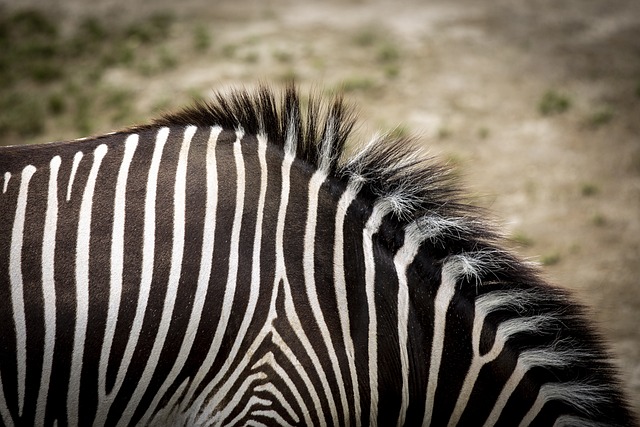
x=246 y=261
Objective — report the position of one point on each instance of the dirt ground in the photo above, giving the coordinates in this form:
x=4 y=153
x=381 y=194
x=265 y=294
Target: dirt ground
x=561 y=173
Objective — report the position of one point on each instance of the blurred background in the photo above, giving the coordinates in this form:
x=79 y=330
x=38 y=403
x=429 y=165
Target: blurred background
x=534 y=103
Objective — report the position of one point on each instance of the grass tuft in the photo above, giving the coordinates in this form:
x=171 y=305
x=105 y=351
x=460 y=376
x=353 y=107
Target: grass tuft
x=601 y=116
x=589 y=189
x=522 y=239
x=553 y=103
x=552 y=258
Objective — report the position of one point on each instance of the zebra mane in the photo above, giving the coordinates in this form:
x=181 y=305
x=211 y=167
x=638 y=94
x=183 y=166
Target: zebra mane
x=387 y=168
x=423 y=204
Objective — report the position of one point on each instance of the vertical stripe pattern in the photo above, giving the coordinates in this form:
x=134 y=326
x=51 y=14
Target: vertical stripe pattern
x=191 y=274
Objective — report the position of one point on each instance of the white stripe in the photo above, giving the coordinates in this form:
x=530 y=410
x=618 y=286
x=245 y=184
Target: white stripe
x=204 y=273
x=177 y=250
x=291 y=314
x=403 y=259
x=380 y=210
x=147 y=271
x=504 y=331
x=310 y=284
x=547 y=357
x=233 y=401
x=230 y=287
x=82 y=286
x=443 y=298
x=17 y=285
x=74 y=168
x=296 y=325
x=273 y=415
x=270 y=360
x=271 y=389
x=254 y=290
x=7 y=177
x=48 y=287
x=311 y=388
x=117 y=265
x=5 y=415
x=341 y=291
x=584 y=397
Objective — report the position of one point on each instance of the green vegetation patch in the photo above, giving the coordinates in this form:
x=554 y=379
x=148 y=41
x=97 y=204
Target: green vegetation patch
x=50 y=76
x=601 y=116
x=553 y=102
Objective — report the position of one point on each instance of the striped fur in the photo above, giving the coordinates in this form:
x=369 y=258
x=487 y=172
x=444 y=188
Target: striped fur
x=231 y=265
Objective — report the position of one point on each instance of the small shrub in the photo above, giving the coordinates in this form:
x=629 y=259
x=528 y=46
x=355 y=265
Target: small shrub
x=21 y=115
x=483 y=132
x=601 y=116
x=552 y=258
x=589 y=189
x=201 y=39
x=444 y=133
x=366 y=37
x=251 y=57
x=166 y=59
x=598 y=220
x=392 y=71
x=358 y=84
x=56 y=104
x=388 y=53
x=154 y=29
x=553 y=102
x=229 y=50
x=282 y=56
x=45 y=72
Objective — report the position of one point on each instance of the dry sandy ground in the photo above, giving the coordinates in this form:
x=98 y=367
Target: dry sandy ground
x=468 y=76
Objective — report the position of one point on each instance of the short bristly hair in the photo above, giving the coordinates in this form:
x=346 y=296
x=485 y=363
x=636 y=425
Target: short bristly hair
x=425 y=204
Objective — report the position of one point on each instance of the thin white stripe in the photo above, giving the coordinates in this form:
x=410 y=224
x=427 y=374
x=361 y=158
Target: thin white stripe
x=296 y=325
x=290 y=310
x=147 y=269
x=273 y=415
x=505 y=394
x=253 y=401
x=7 y=177
x=117 y=265
x=380 y=209
x=82 y=286
x=404 y=257
x=17 y=285
x=271 y=389
x=341 y=291
x=230 y=287
x=441 y=305
x=254 y=290
x=74 y=168
x=311 y=388
x=312 y=293
x=175 y=270
x=5 y=415
x=204 y=273
x=270 y=360
x=48 y=287
x=280 y=278
x=233 y=402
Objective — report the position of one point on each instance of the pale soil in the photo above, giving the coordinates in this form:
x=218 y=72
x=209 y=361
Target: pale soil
x=469 y=79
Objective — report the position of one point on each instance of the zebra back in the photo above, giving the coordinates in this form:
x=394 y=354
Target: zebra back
x=233 y=264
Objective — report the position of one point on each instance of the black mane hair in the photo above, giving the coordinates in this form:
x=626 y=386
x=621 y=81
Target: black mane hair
x=421 y=192
x=389 y=167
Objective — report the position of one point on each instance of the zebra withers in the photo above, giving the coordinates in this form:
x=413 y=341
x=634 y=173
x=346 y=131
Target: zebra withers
x=232 y=265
